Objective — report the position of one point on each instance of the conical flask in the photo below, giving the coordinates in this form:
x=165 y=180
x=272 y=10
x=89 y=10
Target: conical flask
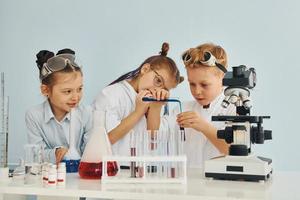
x=90 y=166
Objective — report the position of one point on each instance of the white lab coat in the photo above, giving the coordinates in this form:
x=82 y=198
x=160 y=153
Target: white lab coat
x=118 y=101
x=197 y=147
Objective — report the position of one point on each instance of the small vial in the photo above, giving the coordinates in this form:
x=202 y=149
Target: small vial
x=61 y=174
x=45 y=168
x=52 y=176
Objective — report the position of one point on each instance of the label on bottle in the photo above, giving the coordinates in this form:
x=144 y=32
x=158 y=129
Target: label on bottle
x=61 y=178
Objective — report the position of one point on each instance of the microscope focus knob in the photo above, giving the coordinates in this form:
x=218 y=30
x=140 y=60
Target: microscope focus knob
x=238 y=150
x=226 y=134
x=268 y=134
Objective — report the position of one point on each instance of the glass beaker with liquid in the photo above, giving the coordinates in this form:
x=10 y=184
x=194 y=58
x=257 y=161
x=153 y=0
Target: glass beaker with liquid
x=90 y=166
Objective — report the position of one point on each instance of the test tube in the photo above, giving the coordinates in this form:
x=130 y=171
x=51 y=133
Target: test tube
x=163 y=152
x=152 y=149
x=140 y=152
x=180 y=143
x=146 y=152
x=132 y=153
x=172 y=152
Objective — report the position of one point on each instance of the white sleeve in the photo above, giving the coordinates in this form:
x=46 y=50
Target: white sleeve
x=210 y=151
x=168 y=122
x=111 y=108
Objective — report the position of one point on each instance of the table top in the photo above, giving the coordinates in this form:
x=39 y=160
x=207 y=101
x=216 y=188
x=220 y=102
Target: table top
x=281 y=185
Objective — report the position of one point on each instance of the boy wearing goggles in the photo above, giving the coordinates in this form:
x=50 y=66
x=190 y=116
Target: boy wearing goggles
x=206 y=66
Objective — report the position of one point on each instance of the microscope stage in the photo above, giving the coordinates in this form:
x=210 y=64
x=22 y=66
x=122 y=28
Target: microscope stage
x=248 y=168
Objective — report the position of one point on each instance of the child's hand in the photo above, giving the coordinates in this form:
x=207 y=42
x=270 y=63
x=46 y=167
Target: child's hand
x=140 y=105
x=191 y=119
x=60 y=153
x=159 y=94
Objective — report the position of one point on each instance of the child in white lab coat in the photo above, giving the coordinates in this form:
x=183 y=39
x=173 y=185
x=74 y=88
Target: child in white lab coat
x=206 y=66
x=122 y=99
x=60 y=124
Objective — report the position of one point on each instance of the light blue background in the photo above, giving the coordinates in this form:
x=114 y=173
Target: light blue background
x=112 y=37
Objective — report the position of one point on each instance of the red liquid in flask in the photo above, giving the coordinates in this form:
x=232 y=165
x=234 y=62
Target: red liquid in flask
x=94 y=170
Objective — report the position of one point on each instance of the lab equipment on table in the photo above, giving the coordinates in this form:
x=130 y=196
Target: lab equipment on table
x=19 y=172
x=4 y=110
x=33 y=162
x=52 y=176
x=72 y=157
x=150 y=99
x=61 y=174
x=241 y=163
x=90 y=166
x=155 y=157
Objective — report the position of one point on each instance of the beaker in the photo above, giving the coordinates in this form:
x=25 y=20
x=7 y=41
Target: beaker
x=33 y=160
x=90 y=166
x=33 y=154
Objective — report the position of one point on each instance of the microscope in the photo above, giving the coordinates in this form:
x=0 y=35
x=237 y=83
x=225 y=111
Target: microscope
x=240 y=132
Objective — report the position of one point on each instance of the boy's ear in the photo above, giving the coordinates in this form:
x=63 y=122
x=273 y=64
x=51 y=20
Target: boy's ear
x=45 y=90
x=145 y=68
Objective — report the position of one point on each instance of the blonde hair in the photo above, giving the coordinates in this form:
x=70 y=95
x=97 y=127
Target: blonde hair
x=194 y=57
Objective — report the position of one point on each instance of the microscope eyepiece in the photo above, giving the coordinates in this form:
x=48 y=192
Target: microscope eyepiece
x=239 y=71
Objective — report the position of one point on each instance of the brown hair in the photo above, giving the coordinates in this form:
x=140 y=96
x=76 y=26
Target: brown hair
x=196 y=55
x=156 y=62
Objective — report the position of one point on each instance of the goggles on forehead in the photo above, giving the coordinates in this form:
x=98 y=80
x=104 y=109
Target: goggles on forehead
x=57 y=63
x=209 y=60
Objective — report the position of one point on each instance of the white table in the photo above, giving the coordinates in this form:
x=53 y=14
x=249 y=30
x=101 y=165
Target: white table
x=282 y=185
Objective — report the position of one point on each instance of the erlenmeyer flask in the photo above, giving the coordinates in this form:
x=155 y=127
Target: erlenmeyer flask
x=90 y=166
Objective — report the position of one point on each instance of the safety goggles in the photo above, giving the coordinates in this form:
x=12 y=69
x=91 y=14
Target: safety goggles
x=158 y=80
x=57 y=63
x=208 y=59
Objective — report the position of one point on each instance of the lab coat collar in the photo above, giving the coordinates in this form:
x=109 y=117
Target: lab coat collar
x=214 y=103
x=129 y=90
x=48 y=114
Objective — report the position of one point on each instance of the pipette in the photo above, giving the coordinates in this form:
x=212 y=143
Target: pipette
x=150 y=99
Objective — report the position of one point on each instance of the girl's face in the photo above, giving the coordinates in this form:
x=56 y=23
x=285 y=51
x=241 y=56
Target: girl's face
x=155 y=78
x=66 y=93
x=205 y=84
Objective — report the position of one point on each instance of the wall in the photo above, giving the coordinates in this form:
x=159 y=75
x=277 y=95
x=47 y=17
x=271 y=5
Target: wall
x=111 y=37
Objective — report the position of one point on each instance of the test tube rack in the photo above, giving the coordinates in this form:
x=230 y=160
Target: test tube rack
x=146 y=162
